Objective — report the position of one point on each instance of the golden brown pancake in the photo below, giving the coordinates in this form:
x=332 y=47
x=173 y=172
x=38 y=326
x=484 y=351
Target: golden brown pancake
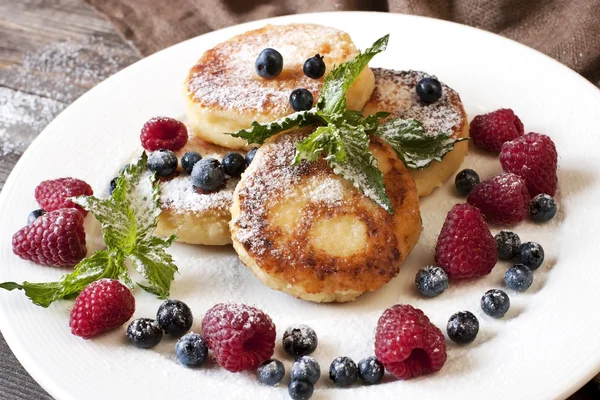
x=307 y=232
x=224 y=94
x=395 y=93
x=196 y=218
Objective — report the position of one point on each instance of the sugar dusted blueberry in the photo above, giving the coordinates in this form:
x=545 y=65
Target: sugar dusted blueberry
x=518 y=278
x=508 y=244
x=208 y=174
x=300 y=390
x=191 y=350
x=270 y=372
x=163 y=162
x=188 y=161
x=542 y=208
x=495 y=303
x=174 y=317
x=431 y=281
x=343 y=371
x=370 y=370
x=463 y=327
x=299 y=340
x=306 y=368
x=531 y=254
x=144 y=333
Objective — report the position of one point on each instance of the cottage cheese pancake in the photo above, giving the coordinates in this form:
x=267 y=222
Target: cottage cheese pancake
x=224 y=94
x=196 y=218
x=305 y=231
x=395 y=93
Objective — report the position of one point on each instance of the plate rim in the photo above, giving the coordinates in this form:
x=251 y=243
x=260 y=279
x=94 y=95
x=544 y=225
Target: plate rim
x=18 y=349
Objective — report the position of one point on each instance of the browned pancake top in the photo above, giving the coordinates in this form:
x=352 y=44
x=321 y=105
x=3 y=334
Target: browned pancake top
x=395 y=92
x=225 y=78
x=291 y=255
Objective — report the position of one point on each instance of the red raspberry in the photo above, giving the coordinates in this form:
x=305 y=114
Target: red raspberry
x=103 y=305
x=503 y=199
x=408 y=344
x=56 y=239
x=164 y=133
x=53 y=194
x=241 y=337
x=490 y=131
x=534 y=158
x=465 y=247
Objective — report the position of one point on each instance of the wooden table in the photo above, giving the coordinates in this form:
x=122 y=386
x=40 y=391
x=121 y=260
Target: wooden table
x=51 y=52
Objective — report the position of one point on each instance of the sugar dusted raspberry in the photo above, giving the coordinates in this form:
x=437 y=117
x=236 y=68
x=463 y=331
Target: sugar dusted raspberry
x=490 y=131
x=408 y=344
x=54 y=194
x=503 y=199
x=534 y=158
x=164 y=133
x=103 y=305
x=56 y=239
x=241 y=337
x=465 y=247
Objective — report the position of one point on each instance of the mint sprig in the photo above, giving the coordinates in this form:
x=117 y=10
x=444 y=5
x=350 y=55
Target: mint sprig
x=416 y=149
x=341 y=137
x=128 y=219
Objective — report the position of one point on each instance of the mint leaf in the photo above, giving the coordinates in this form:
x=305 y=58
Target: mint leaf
x=156 y=265
x=128 y=220
x=258 y=133
x=333 y=94
x=325 y=142
x=100 y=265
x=346 y=148
x=415 y=148
x=361 y=167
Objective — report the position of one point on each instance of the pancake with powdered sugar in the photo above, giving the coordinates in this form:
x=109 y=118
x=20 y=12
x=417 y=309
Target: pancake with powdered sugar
x=395 y=92
x=224 y=94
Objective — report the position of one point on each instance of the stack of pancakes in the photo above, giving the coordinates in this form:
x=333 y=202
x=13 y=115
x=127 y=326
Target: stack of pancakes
x=303 y=229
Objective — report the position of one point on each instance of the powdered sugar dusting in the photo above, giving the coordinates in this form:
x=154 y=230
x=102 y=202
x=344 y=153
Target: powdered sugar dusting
x=180 y=196
x=395 y=91
x=226 y=78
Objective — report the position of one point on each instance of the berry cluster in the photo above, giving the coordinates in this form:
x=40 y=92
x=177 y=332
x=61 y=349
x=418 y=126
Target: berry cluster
x=54 y=235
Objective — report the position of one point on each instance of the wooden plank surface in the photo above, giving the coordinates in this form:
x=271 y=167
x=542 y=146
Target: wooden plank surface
x=51 y=52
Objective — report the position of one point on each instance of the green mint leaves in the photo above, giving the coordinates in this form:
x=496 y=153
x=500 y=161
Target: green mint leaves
x=128 y=220
x=342 y=135
x=258 y=133
x=335 y=85
x=416 y=149
x=346 y=149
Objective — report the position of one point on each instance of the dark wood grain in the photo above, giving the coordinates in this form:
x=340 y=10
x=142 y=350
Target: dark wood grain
x=51 y=52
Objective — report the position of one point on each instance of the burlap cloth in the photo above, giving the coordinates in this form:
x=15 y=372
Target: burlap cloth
x=567 y=30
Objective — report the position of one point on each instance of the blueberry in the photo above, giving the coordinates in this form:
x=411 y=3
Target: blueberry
x=431 y=281
x=208 y=174
x=465 y=181
x=113 y=185
x=542 y=208
x=174 y=317
x=301 y=100
x=314 y=67
x=163 y=162
x=300 y=390
x=250 y=155
x=144 y=333
x=35 y=214
x=495 y=303
x=429 y=90
x=531 y=254
x=269 y=63
x=234 y=164
x=518 y=278
x=270 y=372
x=306 y=369
x=188 y=161
x=299 y=340
x=343 y=371
x=462 y=327
x=370 y=370
x=191 y=350
x=507 y=243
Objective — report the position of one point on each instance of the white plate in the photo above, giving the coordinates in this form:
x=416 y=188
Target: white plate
x=547 y=347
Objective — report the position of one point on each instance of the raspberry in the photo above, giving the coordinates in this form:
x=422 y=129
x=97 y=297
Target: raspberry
x=490 y=131
x=56 y=239
x=103 y=305
x=465 y=247
x=534 y=158
x=54 y=194
x=407 y=343
x=241 y=337
x=164 y=133
x=503 y=199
